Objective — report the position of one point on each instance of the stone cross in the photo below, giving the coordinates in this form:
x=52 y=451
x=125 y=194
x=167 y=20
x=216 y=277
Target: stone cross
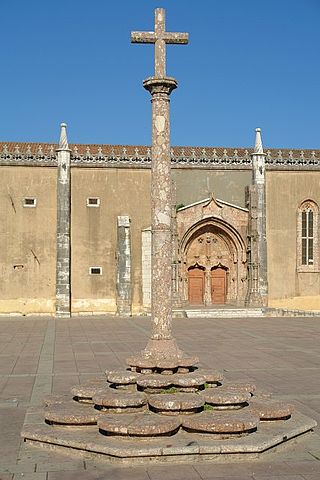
x=160 y=38
x=162 y=350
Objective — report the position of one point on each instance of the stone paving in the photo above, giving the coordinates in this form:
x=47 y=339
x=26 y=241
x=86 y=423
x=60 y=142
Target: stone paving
x=43 y=355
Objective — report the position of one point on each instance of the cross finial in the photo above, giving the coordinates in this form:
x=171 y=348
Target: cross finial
x=160 y=38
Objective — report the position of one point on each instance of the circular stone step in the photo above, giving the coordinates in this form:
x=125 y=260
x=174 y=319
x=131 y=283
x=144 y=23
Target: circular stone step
x=271 y=409
x=182 y=381
x=174 y=404
x=222 y=398
x=120 y=402
x=155 y=381
x=142 y=425
x=148 y=363
x=85 y=392
x=221 y=422
x=212 y=377
x=188 y=380
x=71 y=414
x=122 y=377
x=241 y=387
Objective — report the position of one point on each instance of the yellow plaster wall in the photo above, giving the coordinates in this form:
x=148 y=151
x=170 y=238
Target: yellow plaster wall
x=285 y=192
x=94 y=233
x=297 y=303
x=28 y=240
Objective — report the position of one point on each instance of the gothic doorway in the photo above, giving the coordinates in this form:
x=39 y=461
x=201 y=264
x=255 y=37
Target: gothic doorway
x=212 y=264
x=196 y=285
x=218 y=285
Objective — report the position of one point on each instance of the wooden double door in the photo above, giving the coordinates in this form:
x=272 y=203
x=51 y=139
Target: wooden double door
x=196 y=285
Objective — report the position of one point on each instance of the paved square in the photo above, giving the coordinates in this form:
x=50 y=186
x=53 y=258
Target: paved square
x=43 y=355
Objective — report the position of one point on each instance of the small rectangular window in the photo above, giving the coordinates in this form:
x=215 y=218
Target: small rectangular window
x=93 y=202
x=29 y=202
x=95 y=271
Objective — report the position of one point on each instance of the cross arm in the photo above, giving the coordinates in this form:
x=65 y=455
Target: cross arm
x=143 y=37
x=172 y=38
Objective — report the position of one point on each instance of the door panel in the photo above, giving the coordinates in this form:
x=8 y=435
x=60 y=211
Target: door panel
x=196 y=286
x=218 y=285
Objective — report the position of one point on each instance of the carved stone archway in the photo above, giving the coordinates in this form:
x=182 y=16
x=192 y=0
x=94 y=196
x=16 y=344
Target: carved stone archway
x=214 y=244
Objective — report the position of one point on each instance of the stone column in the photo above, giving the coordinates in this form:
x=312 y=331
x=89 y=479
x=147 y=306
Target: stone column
x=124 y=289
x=161 y=351
x=161 y=201
x=146 y=268
x=258 y=274
x=207 y=287
x=63 y=307
x=176 y=300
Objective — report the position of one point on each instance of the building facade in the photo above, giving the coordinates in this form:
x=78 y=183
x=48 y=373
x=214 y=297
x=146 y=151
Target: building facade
x=76 y=237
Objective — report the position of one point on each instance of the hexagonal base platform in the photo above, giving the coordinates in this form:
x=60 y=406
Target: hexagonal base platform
x=181 y=447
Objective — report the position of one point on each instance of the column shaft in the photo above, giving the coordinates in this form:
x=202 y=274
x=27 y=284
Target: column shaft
x=63 y=235
x=124 y=266
x=161 y=199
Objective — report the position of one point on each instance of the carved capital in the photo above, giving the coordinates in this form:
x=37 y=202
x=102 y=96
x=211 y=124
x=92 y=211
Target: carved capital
x=160 y=85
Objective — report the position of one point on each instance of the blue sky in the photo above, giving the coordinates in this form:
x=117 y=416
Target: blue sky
x=248 y=64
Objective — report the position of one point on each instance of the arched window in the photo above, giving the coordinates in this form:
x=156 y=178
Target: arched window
x=307 y=237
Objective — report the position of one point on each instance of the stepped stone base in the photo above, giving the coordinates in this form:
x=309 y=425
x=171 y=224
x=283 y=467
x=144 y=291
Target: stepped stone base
x=145 y=416
x=182 y=447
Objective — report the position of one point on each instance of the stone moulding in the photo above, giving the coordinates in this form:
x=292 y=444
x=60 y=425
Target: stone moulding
x=140 y=157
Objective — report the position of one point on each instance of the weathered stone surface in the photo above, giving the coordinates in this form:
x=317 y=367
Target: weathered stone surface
x=124 y=287
x=211 y=376
x=221 y=397
x=122 y=377
x=240 y=387
x=141 y=362
x=157 y=362
x=87 y=390
x=63 y=227
x=138 y=425
x=89 y=439
x=69 y=414
x=218 y=422
x=121 y=400
x=187 y=380
x=270 y=409
x=155 y=381
x=176 y=403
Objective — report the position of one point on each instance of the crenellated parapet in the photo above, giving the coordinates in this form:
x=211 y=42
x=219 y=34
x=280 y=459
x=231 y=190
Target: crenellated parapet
x=41 y=154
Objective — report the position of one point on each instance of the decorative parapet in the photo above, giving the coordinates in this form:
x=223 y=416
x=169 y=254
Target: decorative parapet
x=37 y=154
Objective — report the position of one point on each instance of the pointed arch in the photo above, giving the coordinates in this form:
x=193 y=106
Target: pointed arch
x=308 y=236
x=217 y=246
